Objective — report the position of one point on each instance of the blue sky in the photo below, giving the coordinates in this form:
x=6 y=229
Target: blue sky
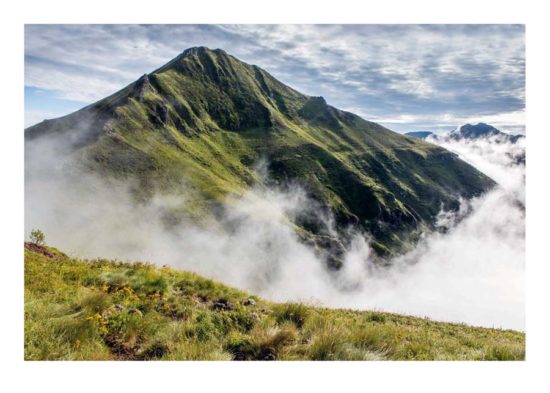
x=406 y=77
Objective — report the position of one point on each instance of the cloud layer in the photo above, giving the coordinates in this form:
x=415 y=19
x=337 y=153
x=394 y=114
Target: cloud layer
x=407 y=77
x=471 y=271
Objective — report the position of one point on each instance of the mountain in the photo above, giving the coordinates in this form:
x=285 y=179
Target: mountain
x=469 y=132
x=419 y=134
x=210 y=118
x=481 y=130
x=110 y=310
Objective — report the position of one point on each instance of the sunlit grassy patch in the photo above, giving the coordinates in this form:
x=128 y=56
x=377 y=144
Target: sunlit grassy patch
x=97 y=310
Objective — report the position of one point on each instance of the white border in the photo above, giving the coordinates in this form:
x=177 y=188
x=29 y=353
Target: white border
x=297 y=376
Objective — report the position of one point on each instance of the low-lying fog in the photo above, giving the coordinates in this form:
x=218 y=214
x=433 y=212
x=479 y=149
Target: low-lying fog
x=474 y=273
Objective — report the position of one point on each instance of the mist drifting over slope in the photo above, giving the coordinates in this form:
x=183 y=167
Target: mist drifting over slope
x=471 y=271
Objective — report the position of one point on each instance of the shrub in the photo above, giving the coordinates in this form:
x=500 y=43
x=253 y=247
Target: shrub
x=262 y=344
x=38 y=237
x=196 y=350
x=75 y=330
x=269 y=343
x=124 y=330
x=504 y=352
x=95 y=302
x=328 y=345
x=116 y=280
x=155 y=350
x=376 y=317
x=381 y=339
x=150 y=283
x=202 y=328
x=291 y=312
x=243 y=319
x=240 y=346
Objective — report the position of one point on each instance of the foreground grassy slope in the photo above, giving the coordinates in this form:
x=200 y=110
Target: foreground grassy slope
x=100 y=310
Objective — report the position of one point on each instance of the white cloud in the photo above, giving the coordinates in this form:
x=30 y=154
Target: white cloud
x=510 y=122
x=32 y=117
x=71 y=86
x=473 y=273
x=383 y=70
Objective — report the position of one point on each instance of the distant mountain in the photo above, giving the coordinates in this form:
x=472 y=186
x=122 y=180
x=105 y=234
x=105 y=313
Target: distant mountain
x=481 y=130
x=419 y=134
x=477 y=132
x=210 y=118
x=468 y=132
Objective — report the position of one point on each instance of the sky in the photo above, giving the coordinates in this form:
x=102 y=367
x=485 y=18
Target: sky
x=405 y=77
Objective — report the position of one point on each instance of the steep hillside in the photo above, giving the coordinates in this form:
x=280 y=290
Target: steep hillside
x=110 y=310
x=207 y=118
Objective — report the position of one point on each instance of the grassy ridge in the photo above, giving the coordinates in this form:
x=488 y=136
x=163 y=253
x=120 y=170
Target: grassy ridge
x=110 y=310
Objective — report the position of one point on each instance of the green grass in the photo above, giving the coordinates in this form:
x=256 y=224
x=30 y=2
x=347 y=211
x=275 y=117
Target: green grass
x=111 y=310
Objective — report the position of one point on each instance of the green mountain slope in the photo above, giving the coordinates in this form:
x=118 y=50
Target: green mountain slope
x=109 y=310
x=208 y=118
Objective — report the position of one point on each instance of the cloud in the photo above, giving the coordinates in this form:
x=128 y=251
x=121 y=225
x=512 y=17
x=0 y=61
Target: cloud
x=383 y=70
x=32 y=118
x=471 y=271
x=474 y=271
x=510 y=122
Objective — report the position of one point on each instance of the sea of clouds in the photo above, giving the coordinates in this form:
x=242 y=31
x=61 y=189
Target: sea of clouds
x=471 y=272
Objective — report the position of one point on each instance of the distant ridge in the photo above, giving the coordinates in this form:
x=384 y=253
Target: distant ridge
x=469 y=132
x=419 y=134
x=481 y=130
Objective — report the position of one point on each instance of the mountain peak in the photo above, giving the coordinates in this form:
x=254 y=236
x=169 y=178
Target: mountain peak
x=474 y=131
x=481 y=130
x=202 y=49
x=195 y=54
x=419 y=134
x=209 y=116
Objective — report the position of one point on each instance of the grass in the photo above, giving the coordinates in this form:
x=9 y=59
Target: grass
x=111 y=310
